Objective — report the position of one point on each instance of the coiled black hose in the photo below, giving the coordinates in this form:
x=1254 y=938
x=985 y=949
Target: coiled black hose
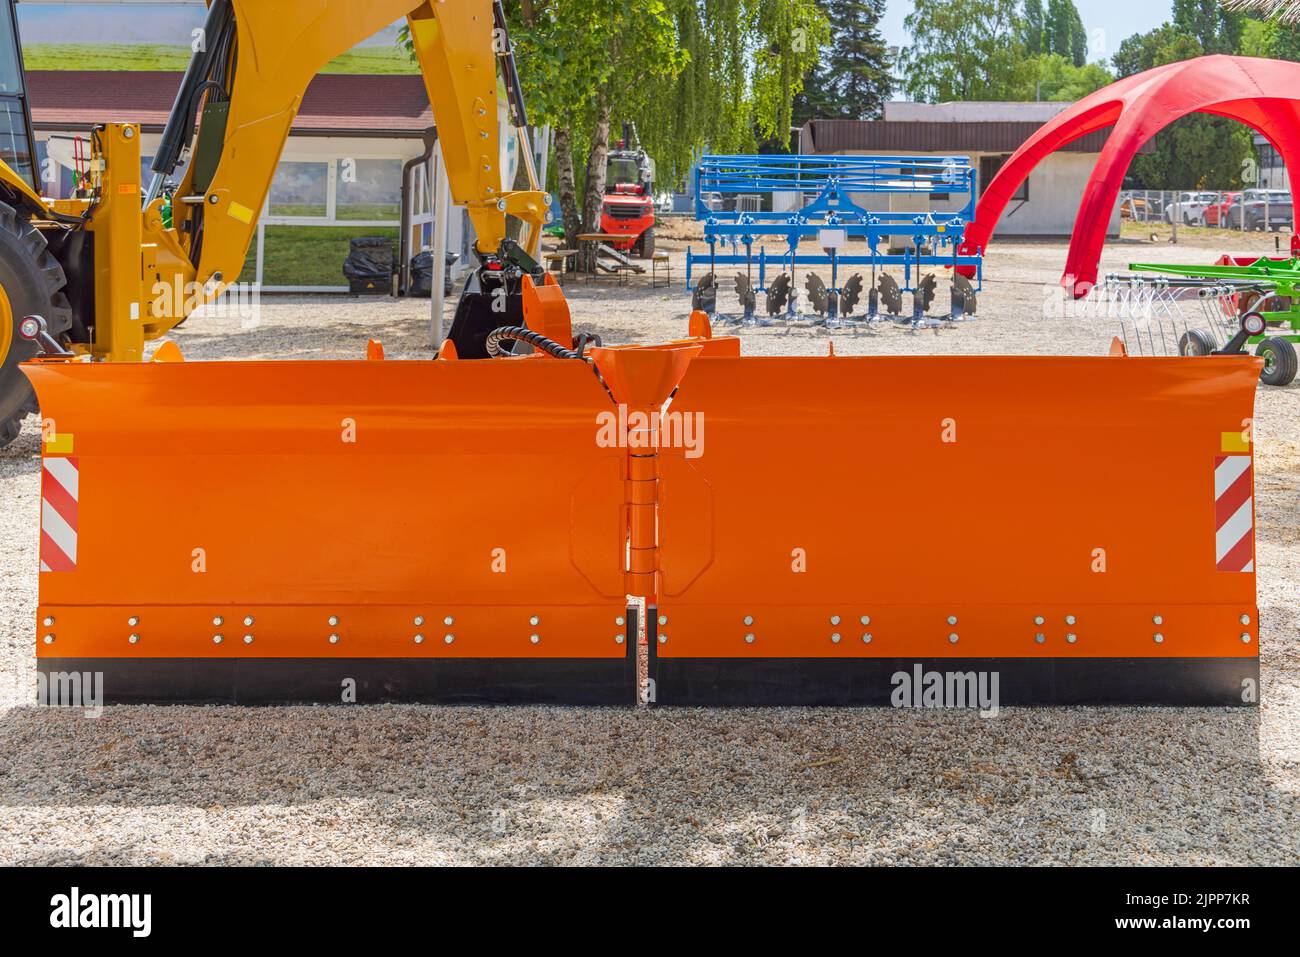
x=522 y=334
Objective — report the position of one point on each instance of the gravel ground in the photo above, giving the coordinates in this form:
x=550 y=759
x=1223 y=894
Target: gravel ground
x=567 y=785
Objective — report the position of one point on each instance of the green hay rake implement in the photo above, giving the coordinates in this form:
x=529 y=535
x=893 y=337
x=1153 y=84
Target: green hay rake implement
x=1256 y=303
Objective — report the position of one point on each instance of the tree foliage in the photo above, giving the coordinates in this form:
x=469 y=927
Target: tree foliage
x=1033 y=28
x=1266 y=32
x=1060 y=80
x=747 y=62
x=688 y=73
x=1197 y=151
x=850 y=80
x=1217 y=30
x=1009 y=57
x=1063 y=33
x=966 y=50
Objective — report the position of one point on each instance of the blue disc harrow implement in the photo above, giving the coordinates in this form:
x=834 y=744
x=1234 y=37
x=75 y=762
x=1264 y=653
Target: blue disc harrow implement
x=842 y=212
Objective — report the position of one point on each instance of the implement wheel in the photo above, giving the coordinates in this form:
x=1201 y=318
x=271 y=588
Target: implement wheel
x=31 y=283
x=1195 y=342
x=1279 y=357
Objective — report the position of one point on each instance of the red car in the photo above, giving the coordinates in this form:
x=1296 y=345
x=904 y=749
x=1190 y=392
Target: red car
x=1216 y=214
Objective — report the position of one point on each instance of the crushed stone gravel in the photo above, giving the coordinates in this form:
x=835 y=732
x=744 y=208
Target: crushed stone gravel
x=410 y=784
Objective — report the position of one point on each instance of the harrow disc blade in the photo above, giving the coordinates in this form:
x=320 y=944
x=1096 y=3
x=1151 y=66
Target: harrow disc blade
x=704 y=297
x=817 y=295
x=778 y=294
x=966 y=291
x=890 y=294
x=924 y=294
x=851 y=294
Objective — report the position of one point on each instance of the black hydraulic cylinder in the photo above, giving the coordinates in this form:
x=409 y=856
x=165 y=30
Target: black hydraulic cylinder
x=180 y=122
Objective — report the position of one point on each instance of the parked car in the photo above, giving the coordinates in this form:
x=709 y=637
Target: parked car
x=1216 y=214
x=1189 y=207
x=1262 y=209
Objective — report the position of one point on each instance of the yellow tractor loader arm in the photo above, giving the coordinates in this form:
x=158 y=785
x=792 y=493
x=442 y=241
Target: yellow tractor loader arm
x=276 y=50
x=109 y=269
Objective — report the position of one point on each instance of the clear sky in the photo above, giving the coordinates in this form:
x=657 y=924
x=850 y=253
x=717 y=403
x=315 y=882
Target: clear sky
x=106 y=21
x=1108 y=22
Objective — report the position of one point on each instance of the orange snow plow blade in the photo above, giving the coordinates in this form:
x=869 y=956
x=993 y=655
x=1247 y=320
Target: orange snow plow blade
x=1080 y=527
x=267 y=531
x=802 y=530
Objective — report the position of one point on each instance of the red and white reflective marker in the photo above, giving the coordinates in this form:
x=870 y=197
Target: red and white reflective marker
x=1234 y=514
x=59 y=492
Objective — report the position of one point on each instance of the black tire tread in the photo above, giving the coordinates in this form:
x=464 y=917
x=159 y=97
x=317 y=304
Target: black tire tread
x=1284 y=371
x=58 y=314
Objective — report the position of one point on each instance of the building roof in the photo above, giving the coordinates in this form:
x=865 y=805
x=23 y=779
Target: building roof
x=978 y=111
x=892 y=136
x=335 y=104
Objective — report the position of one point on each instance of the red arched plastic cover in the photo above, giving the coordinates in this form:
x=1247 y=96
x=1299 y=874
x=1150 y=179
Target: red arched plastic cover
x=1260 y=93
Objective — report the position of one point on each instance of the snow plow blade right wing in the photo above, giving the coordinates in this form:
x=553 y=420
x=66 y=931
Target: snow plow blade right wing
x=860 y=530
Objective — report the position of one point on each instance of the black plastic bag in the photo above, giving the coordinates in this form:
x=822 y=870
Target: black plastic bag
x=422 y=274
x=370 y=258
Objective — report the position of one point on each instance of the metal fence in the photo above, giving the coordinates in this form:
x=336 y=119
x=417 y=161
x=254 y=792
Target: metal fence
x=1230 y=210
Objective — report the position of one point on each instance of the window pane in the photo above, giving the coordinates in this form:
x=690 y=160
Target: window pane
x=299 y=189
x=307 y=255
x=369 y=189
x=14 y=147
x=11 y=78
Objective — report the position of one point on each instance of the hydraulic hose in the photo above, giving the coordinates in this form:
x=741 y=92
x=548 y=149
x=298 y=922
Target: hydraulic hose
x=522 y=334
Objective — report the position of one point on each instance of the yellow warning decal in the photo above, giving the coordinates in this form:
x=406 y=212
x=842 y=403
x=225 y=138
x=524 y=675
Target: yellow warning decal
x=58 y=443
x=1235 y=442
x=239 y=212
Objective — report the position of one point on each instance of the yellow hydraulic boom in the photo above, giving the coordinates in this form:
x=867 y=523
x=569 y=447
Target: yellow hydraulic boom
x=242 y=91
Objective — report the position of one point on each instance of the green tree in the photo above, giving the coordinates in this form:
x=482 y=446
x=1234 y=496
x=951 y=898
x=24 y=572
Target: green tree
x=1078 y=40
x=580 y=61
x=851 y=79
x=747 y=62
x=1033 y=33
x=1283 y=11
x=1269 y=32
x=1063 y=32
x=1217 y=30
x=1060 y=80
x=966 y=50
x=687 y=72
x=1197 y=151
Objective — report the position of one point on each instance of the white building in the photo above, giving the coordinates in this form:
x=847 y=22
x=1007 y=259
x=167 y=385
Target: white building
x=1272 y=171
x=987 y=132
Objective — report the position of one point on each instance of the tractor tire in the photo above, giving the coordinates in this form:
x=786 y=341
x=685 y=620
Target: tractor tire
x=1279 y=357
x=31 y=283
x=1195 y=342
x=646 y=244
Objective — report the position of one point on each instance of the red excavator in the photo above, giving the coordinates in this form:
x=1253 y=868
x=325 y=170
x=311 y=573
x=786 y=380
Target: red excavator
x=628 y=208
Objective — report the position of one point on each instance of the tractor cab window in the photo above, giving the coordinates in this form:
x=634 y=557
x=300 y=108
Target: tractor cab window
x=15 y=123
x=11 y=68
x=622 y=170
